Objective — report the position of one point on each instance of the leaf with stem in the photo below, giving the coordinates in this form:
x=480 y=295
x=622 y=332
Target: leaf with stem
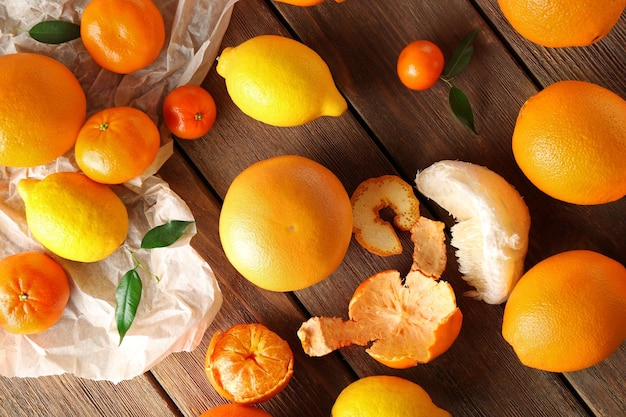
x=460 y=57
x=461 y=107
x=165 y=234
x=55 y=31
x=127 y=298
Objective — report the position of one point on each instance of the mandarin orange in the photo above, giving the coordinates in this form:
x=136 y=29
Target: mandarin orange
x=189 y=111
x=34 y=291
x=235 y=410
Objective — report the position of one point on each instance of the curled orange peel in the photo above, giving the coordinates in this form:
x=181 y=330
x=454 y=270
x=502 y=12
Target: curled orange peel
x=407 y=321
x=370 y=197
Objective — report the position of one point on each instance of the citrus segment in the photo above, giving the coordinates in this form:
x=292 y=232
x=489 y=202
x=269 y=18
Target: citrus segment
x=286 y=223
x=122 y=35
x=385 y=396
x=567 y=312
x=570 y=141
x=116 y=145
x=279 y=81
x=410 y=321
x=73 y=216
x=369 y=198
x=248 y=363
x=34 y=291
x=42 y=108
x=493 y=222
x=562 y=23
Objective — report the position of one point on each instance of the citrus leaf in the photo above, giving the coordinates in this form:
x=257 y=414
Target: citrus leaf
x=127 y=297
x=164 y=235
x=461 y=56
x=461 y=107
x=55 y=31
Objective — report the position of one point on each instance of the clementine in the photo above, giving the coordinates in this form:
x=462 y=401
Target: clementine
x=420 y=64
x=567 y=312
x=235 y=410
x=34 y=291
x=562 y=23
x=248 y=363
x=122 y=35
x=43 y=107
x=286 y=223
x=570 y=141
x=117 y=144
x=408 y=321
x=189 y=111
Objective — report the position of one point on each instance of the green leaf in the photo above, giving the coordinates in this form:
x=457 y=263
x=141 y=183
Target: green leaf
x=127 y=297
x=461 y=56
x=164 y=235
x=55 y=31
x=461 y=107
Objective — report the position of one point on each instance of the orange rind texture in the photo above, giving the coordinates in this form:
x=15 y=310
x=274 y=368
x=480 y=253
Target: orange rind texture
x=407 y=321
x=370 y=197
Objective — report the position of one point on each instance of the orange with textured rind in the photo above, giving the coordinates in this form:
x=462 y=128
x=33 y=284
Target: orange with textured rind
x=248 y=363
x=189 y=111
x=42 y=108
x=235 y=410
x=567 y=312
x=122 y=36
x=34 y=290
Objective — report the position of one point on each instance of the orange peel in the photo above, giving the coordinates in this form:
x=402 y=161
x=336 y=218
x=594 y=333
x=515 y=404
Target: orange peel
x=407 y=321
x=369 y=198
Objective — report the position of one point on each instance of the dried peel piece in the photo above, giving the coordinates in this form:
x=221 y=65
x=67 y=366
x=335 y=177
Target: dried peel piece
x=407 y=322
x=370 y=197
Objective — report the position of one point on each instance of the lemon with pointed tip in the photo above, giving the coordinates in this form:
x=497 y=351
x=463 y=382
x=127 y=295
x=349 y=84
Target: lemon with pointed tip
x=73 y=216
x=279 y=81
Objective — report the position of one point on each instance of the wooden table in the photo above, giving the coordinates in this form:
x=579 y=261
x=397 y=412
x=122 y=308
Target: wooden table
x=388 y=130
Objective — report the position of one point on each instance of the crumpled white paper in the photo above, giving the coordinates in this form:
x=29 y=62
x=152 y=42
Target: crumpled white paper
x=175 y=311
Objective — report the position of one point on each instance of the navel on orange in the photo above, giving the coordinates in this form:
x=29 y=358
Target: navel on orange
x=248 y=363
x=567 y=312
x=34 y=291
x=286 y=223
x=43 y=107
x=117 y=144
x=570 y=141
x=122 y=35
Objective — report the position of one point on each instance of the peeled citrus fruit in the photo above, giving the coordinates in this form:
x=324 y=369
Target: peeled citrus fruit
x=286 y=223
x=43 y=107
x=235 y=410
x=385 y=396
x=491 y=233
x=567 y=312
x=368 y=199
x=279 y=81
x=570 y=141
x=408 y=321
x=248 y=363
x=73 y=216
x=117 y=144
x=122 y=35
x=562 y=23
x=34 y=291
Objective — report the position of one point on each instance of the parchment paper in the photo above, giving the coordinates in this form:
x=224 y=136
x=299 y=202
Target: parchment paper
x=175 y=311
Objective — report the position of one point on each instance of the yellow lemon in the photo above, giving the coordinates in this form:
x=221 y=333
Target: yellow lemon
x=73 y=216
x=385 y=396
x=279 y=81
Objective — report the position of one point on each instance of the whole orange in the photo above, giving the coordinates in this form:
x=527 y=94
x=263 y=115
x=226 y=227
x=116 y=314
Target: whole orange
x=562 y=23
x=117 y=144
x=122 y=35
x=42 y=107
x=420 y=64
x=34 y=291
x=235 y=410
x=189 y=111
x=248 y=363
x=570 y=141
x=567 y=312
x=286 y=223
